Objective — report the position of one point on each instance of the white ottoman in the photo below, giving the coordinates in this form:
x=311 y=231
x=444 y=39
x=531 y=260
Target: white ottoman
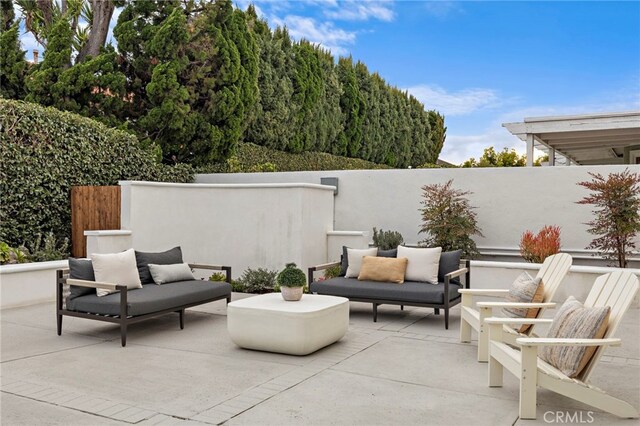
x=269 y=323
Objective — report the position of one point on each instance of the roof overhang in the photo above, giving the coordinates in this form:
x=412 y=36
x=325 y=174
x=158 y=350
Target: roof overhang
x=584 y=139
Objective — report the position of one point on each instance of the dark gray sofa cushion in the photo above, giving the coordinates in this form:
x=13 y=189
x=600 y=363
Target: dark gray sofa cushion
x=81 y=269
x=409 y=291
x=388 y=253
x=152 y=298
x=449 y=262
x=143 y=259
x=344 y=262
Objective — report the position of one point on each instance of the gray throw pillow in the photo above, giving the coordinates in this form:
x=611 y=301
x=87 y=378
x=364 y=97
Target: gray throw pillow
x=163 y=274
x=388 y=253
x=143 y=259
x=449 y=262
x=81 y=269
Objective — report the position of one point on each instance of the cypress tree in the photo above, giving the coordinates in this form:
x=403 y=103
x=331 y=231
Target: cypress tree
x=13 y=65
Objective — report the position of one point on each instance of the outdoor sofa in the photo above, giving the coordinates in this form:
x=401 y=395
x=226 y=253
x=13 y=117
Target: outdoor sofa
x=442 y=295
x=76 y=292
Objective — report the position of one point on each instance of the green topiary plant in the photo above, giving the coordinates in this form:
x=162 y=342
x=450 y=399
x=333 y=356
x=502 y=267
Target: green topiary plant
x=386 y=240
x=291 y=276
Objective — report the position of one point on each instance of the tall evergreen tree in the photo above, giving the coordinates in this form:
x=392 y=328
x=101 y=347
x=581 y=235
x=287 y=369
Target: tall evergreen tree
x=271 y=123
x=13 y=66
x=353 y=109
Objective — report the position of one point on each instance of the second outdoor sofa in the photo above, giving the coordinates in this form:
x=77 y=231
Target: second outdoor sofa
x=442 y=295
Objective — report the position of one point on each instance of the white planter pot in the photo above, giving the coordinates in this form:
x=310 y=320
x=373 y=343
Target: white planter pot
x=291 y=294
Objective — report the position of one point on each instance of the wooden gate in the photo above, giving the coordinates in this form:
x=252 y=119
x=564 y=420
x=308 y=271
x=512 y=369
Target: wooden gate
x=92 y=208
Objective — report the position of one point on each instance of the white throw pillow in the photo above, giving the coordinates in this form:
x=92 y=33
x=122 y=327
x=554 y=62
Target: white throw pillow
x=163 y=274
x=116 y=268
x=355 y=260
x=423 y=263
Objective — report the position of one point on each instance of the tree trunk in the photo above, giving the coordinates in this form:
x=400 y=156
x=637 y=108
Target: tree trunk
x=102 y=13
x=46 y=7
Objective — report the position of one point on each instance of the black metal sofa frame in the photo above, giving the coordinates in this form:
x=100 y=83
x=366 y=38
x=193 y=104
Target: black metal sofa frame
x=123 y=318
x=446 y=305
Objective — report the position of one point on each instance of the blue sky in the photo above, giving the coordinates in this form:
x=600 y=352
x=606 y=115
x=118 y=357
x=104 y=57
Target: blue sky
x=482 y=63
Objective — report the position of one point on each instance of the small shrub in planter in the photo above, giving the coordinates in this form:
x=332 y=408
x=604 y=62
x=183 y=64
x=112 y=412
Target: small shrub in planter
x=218 y=277
x=49 y=248
x=331 y=272
x=258 y=281
x=536 y=248
x=9 y=255
x=387 y=240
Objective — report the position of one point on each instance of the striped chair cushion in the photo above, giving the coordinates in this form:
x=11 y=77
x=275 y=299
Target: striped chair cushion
x=524 y=290
x=574 y=321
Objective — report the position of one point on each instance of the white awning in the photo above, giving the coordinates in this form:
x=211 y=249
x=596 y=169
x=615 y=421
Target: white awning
x=608 y=138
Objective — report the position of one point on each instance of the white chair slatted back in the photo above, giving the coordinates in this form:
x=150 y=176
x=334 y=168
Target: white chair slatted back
x=552 y=272
x=617 y=290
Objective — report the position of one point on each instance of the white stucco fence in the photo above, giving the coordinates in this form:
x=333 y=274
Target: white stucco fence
x=242 y=226
x=29 y=283
x=508 y=200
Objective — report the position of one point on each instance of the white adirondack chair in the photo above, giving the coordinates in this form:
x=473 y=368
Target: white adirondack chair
x=552 y=272
x=617 y=290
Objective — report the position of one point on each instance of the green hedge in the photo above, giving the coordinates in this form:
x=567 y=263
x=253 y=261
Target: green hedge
x=255 y=158
x=44 y=151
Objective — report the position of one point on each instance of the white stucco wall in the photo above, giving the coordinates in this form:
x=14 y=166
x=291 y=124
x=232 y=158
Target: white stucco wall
x=29 y=283
x=241 y=226
x=508 y=201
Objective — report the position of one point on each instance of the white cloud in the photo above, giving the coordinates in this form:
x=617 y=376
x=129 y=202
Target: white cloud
x=323 y=33
x=442 y=9
x=362 y=11
x=455 y=103
x=459 y=148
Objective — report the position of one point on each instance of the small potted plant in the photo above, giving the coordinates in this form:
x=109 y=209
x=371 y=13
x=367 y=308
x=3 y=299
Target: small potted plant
x=291 y=281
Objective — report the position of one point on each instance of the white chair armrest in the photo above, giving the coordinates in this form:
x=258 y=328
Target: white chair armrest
x=93 y=284
x=484 y=292
x=516 y=305
x=545 y=341
x=521 y=321
x=206 y=266
x=457 y=273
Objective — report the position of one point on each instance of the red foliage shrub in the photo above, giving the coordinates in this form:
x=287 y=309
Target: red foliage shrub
x=536 y=248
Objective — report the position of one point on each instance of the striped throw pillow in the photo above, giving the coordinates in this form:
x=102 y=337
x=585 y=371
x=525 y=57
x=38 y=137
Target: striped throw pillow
x=524 y=290
x=574 y=321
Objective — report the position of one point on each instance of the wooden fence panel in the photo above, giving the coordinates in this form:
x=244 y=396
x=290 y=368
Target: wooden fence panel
x=92 y=208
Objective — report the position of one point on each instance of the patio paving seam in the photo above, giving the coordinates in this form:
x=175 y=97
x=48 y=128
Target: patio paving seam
x=79 y=402
x=249 y=399
x=55 y=352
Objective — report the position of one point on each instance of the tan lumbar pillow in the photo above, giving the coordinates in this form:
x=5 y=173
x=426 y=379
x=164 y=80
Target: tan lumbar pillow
x=524 y=290
x=385 y=269
x=574 y=321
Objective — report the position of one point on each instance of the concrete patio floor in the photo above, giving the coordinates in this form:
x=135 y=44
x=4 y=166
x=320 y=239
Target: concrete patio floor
x=405 y=369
